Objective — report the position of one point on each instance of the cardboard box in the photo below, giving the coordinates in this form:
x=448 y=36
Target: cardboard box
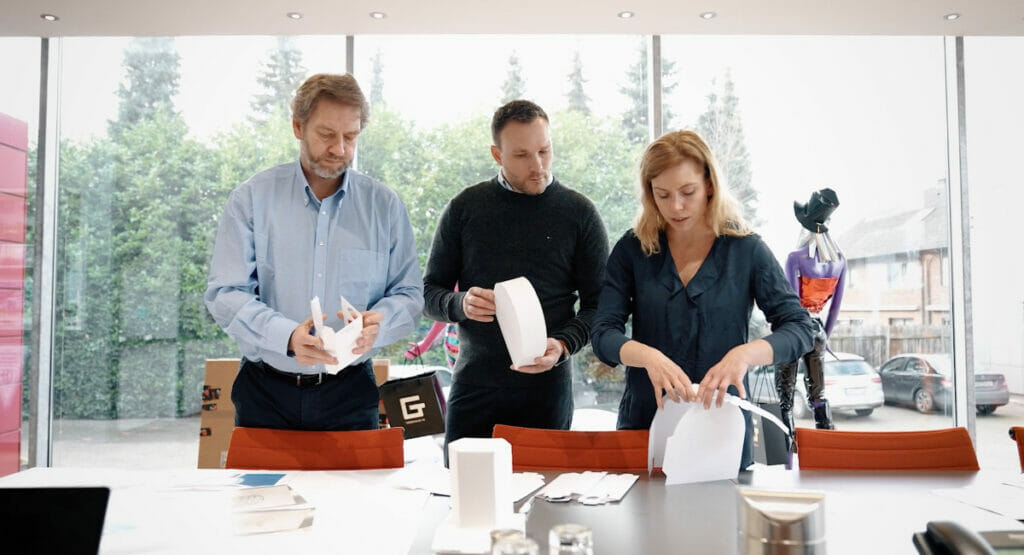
x=380 y=370
x=217 y=415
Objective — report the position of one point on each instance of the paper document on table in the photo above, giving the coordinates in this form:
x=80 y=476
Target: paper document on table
x=431 y=476
x=588 y=488
x=1000 y=498
x=261 y=510
x=338 y=343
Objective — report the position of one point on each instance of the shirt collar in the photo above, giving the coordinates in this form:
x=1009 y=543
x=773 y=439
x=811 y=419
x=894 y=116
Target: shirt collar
x=300 y=178
x=504 y=183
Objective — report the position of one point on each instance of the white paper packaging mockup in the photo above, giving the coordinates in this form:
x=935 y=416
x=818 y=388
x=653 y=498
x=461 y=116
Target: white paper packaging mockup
x=521 y=320
x=338 y=343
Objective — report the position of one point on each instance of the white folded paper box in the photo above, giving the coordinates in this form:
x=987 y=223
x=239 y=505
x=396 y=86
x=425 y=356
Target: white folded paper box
x=521 y=320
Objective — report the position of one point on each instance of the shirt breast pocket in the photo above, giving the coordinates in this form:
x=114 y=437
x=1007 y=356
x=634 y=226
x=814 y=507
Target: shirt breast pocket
x=363 y=276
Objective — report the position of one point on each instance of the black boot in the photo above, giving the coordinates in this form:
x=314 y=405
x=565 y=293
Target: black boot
x=814 y=380
x=785 y=385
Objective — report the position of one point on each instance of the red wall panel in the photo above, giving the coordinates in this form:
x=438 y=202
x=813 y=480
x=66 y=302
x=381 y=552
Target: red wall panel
x=13 y=171
x=12 y=266
x=12 y=218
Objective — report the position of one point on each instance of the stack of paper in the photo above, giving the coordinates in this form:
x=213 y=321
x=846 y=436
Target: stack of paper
x=588 y=488
x=270 y=509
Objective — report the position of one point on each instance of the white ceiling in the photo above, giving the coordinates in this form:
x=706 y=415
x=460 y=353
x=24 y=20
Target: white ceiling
x=341 y=17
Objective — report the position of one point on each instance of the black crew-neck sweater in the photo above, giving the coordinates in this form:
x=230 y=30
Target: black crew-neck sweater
x=489 y=234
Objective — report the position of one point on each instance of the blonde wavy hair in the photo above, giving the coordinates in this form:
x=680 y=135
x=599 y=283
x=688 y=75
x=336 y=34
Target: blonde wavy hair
x=671 y=149
x=339 y=88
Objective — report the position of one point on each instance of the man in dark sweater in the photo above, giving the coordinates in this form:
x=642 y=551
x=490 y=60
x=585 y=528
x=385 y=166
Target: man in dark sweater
x=523 y=222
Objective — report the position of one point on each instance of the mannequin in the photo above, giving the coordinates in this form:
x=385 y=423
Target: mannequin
x=817 y=272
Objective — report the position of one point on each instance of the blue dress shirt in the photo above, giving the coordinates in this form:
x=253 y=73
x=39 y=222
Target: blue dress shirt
x=278 y=246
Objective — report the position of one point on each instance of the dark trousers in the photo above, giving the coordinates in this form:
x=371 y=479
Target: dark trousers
x=266 y=398
x=474 y=410
x=638 y=406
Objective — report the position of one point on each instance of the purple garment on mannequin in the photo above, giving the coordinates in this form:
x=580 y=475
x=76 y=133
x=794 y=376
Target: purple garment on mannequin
x=801 y=263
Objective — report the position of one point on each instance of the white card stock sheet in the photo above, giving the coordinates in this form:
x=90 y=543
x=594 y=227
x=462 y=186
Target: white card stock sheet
x=339 y=343
x=699 y=445
x=521 y=320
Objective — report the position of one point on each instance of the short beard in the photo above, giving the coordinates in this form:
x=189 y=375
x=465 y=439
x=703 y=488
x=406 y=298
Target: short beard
x=316 y=168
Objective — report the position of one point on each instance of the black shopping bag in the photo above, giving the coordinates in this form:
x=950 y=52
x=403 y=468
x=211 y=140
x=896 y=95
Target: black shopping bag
x=769 y=440
x=413 y=404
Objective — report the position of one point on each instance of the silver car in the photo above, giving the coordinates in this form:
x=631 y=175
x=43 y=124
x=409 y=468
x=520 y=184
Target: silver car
x=851 y=384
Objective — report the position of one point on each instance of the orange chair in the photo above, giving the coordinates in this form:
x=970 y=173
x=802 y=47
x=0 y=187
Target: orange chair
x=946 y=449
x=263 y=448
x=537 y=449
x=1017 y=433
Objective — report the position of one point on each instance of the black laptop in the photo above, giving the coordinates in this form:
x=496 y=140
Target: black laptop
x=52 y=520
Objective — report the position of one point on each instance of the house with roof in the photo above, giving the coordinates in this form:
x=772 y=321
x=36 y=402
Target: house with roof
x=898 y=267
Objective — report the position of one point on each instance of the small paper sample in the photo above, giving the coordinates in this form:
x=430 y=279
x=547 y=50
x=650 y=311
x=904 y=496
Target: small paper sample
x=338 y=343
x=588 y=488
x=521 y=320
x=261 y=510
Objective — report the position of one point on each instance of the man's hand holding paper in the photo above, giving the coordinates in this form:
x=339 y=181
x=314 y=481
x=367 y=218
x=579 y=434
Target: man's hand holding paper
x=351 y=341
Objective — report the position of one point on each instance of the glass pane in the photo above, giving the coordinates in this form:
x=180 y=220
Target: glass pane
x=995 y=118
x=429 y=137
x=155 y=132
x=864 y=116
x=19 y=118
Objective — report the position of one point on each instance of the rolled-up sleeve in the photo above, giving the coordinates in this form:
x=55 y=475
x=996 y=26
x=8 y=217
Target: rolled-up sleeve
x=616 y=303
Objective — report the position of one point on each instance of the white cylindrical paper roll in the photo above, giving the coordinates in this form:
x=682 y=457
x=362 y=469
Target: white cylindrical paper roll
x=521 y=320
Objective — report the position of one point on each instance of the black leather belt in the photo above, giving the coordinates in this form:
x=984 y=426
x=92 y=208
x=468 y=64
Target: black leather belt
x=300 y=379
x=296 y=378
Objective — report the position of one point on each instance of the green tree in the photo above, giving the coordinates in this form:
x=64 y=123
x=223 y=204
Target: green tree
x=578 y=99
x=514 y=86
x=151 y=81
x=282 y=73
x=635 y=119
x=721 y=126
x=377 y=82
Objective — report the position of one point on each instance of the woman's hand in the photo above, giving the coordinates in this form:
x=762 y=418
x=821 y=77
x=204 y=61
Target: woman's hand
x=668 y=376
x=730 y=371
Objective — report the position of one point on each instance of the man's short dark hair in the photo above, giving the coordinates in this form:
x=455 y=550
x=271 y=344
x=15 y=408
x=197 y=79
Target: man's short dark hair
x=522 y=111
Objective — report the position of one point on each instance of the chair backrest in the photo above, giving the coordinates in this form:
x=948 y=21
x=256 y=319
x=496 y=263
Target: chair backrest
x=1017 y=433
x=537 y=449
x=263 y=448
x=945 y=449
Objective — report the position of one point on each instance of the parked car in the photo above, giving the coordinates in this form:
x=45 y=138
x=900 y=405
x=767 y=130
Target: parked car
x=926 y=382
x=851 y=384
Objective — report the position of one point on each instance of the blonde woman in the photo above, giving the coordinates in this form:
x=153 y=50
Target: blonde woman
x=689 y=273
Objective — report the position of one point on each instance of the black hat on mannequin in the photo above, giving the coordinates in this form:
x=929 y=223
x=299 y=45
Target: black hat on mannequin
x=817 y=210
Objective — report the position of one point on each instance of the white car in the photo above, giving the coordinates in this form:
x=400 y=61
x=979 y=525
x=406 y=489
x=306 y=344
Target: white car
x=851 y=384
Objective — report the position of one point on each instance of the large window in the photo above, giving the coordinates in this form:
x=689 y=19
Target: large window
x=865 y=116
x=155 y=133
x=19 y=115
x=995 y=116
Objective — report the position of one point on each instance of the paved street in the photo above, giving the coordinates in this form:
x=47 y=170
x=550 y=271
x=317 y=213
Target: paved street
x=174 y=443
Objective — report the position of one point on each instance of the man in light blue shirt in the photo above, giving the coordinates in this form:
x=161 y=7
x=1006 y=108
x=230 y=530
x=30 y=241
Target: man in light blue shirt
x=313 y=228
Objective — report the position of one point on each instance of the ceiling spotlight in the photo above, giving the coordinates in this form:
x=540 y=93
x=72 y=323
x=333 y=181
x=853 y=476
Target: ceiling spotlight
x=294 y=15
x=708 y=15
x=48 y=17
x=378 y=15
x=951 y=16
x=626 y=15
